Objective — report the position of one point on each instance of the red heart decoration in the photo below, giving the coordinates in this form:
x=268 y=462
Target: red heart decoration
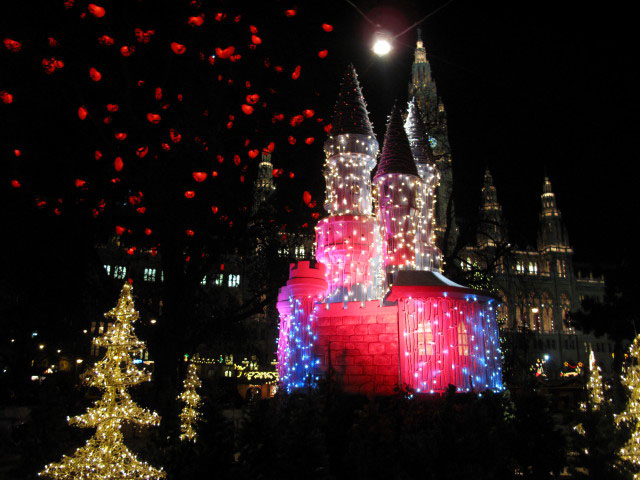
x=178 y=48
x=154 y=118
x=225 y=52
x=199 y=176
x=96 y=10
x=95 y=75
x=196 y=21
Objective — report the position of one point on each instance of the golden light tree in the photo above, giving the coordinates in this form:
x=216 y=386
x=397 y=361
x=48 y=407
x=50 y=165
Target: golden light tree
x=105 y=456
x=595 y=387
x=631 y=414
x=190 y=415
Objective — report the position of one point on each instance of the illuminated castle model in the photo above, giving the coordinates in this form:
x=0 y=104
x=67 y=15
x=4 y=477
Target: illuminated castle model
x=374 y=308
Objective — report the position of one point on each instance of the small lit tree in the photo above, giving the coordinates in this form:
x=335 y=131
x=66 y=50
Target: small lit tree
x=190 y=415
x=595 y=386
x=105 y=456
x=595 y=391
x=631 y=414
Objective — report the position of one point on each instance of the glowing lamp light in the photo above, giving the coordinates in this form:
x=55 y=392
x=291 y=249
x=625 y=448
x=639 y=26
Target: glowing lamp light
x=382 y=44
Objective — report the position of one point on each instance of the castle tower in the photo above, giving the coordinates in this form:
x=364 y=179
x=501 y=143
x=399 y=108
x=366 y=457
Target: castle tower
x=398 y=185
x=264 y=186
x=347 y=239
x=434 y=116
x=491 y=232
x=428 y=255
x=298 y=306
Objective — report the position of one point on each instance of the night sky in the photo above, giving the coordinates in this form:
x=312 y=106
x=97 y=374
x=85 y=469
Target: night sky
x=529 y=88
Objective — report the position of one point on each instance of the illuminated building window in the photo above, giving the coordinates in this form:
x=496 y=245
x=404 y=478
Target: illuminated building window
x=425 y=339
x=119 y=272
x=533 y=268
x=565 y=308
x=547 y=313
x=107 y=268
x=519 y=267
x=463 y=340
x=219 y=279
x=561 y=268
x=234 y=280
x=149 y=274
x=300 y=251
x=283 y=252
x=203 y=281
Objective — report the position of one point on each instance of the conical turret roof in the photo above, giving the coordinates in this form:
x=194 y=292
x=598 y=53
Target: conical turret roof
x=396 y=154
x=350 y=113
x=417 y=135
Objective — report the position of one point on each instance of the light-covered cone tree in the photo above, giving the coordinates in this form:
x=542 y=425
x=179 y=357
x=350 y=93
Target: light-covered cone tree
x=595 y=387
x=631 y=414
x=190 y=414
x=595 y=390
x=105 y=456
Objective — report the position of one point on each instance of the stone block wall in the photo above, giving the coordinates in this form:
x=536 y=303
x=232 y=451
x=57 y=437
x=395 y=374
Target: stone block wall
x=360 y=343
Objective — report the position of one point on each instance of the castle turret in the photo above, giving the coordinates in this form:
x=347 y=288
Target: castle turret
x=428 y=255
x=297 y=305
x=347 y=239
x=399 y=203
x=491 y=230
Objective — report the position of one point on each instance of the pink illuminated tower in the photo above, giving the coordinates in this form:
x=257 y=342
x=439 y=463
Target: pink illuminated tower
x=428 y=255
x=347 y=240
x=398 y=186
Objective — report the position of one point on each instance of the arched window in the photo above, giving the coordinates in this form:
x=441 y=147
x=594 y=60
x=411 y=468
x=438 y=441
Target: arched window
x=502 y=312
x=565 y=308
x=425 y=339
x=463 y=339
x=546 y=307
x=534 y=314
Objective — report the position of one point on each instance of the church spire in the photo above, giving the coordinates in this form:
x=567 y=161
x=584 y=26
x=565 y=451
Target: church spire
x=553 y=234
x=396 y=156
x=491 y=228
x=264 y=186
x=350 y=114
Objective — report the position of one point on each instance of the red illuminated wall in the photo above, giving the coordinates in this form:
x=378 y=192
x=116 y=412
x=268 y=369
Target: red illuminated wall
x=361 y=344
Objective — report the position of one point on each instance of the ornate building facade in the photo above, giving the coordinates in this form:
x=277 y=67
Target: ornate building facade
x=537 y=287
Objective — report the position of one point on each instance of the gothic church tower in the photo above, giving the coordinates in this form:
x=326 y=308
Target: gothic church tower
x=423 y=88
